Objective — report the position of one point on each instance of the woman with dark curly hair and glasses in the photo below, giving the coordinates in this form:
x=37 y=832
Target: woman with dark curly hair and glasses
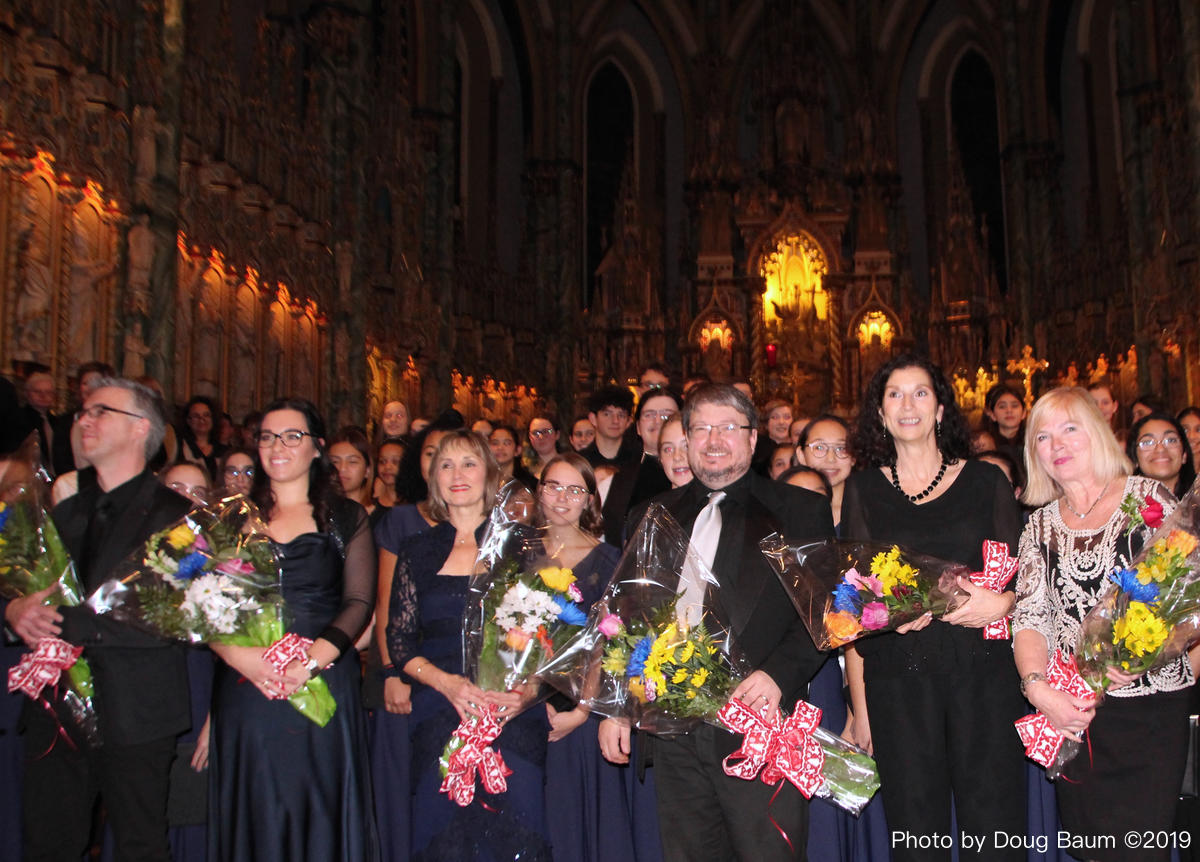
x=935 y=701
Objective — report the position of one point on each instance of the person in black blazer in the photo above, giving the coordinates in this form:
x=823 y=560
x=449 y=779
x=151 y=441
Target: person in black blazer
x=705 y=814
x=141 y=681
x=642 y=479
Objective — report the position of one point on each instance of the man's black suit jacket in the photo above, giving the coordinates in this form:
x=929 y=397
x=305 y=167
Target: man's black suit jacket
x=762 y=616
x=141 y=681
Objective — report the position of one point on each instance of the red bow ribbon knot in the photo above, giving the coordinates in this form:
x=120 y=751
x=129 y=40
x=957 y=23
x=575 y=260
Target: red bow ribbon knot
x=781 y=748
x=1038 y=735
x=476 y=755
x=43 y=666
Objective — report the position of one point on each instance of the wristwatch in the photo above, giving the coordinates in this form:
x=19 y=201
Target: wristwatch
x=314 y=669
x=1031 y=677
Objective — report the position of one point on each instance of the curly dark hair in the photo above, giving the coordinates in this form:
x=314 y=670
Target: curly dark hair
x=872 y=444
x=321 y=488
x=1187 y=470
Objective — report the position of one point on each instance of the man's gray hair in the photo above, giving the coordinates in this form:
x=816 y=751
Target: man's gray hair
x=147 y=403
x=723 y=395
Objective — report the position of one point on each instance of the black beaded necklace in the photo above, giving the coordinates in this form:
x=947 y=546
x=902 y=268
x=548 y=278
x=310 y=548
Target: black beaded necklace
x=916 y=498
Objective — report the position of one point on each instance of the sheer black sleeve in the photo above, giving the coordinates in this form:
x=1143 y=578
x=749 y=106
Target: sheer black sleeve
x=404 y=618
x=854 y=517
x=1006 y=513
x=358 y=585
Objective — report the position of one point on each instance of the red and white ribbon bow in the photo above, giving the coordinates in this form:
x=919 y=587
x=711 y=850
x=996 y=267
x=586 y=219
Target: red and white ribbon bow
x=43 y=666
x=781 y=748
x=289 y=648
x=998 y=569
x=1038 y=735
x=475 y=755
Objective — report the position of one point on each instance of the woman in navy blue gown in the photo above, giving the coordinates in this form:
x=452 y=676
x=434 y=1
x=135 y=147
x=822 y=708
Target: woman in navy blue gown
x=424 y=639
x=281 y=787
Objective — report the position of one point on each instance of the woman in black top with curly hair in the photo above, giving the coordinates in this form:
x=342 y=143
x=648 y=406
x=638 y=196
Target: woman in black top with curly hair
x=935 y=701
x=281 y=787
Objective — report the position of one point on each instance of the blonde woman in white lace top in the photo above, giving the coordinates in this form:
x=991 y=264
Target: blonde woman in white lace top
x=1129 y=775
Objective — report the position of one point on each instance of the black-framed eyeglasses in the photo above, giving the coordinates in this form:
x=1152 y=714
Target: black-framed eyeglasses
x=290 y=438
x=98 y=410
x=234 y=472
x=574 y=491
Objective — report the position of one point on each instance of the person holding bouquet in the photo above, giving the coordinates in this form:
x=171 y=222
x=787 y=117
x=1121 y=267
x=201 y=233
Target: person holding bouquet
x=281 y=786
x=1094 y=518
x=934 y=701
x=424 y=643
x=140 y=680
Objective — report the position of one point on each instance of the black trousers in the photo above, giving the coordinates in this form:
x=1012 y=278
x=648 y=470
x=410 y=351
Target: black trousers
x=941 y=733
x=62 y=784
x=705 y=814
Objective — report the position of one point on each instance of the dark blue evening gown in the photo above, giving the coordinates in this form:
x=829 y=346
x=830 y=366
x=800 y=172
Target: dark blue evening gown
x=281 y=788
x=426 y=613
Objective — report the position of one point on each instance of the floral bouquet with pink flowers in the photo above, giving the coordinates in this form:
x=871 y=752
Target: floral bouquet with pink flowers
x=844 y=590
x=212 y=577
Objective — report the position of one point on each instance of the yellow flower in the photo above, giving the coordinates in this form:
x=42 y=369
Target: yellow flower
x=679 y=676
x=1141 y=631
x=888 y=567
x=638 y=688
x=700 y=677
x=690 y=695
x=181 y=537
x=557 y=578
x=689 y=649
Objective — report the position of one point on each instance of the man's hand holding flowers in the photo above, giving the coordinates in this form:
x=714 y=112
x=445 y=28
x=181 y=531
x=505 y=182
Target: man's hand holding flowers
x=760 y=693
x=31 y=619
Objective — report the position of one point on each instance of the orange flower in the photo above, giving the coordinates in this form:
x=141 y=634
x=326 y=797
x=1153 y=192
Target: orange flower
x=842 y=626
x=1180 y=541
x=638 y=688
x=516 y=639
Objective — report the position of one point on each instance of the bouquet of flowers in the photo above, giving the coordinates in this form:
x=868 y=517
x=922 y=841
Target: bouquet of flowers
x=522 y=607
x=32 y=558
x=844 y=590
x=646 y=657
x=212 y=577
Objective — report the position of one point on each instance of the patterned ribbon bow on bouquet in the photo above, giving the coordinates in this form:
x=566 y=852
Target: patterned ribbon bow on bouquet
x=781 y=748
x=998 y=570
x=475 y=754
x=43 y=666
x=289 y=648
x=1038 y=735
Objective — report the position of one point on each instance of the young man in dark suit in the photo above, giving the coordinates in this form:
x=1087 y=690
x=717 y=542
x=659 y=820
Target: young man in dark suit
x=141 y=681
x=705 y=814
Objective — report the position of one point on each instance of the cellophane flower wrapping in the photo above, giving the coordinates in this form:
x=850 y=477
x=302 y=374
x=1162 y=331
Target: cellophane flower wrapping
x=648 y=658
x=845 y=589
x=211 y=577
x=1151 y=612
x=32 y=557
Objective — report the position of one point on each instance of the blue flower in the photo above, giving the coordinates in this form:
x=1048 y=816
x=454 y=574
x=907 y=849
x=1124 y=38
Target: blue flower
x=1127 y=581
x=569 y=612
x=191 y=565
x=641 y=652
x=4 y=513
x=845 y=598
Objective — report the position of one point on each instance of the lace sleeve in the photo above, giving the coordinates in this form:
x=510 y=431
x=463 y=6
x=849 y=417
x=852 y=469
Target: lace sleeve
x=358 y=586
x=404 y=620
x=1033 y=609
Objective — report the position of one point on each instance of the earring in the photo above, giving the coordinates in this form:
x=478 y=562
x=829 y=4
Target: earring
x=937 y=429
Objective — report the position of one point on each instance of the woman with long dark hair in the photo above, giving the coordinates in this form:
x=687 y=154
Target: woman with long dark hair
x=1158 y=447
x=935 y=701
x=197 y=440
x=281 y=787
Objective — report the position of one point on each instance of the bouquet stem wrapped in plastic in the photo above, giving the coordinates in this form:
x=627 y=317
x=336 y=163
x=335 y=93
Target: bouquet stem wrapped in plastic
x=212 y=577
x=845 y=590
x=646 y=657
x=522 y=608
x=32 y=558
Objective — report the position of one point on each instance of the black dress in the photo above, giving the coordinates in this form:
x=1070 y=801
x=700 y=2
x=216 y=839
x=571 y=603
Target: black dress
x=281 y=787
x=942 y=701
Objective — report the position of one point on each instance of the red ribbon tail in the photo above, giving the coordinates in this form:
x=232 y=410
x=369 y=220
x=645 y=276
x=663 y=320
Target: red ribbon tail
x=771 y=817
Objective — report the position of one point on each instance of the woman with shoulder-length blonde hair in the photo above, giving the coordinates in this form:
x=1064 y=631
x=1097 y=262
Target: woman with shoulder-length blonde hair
x=1079 y=476
x=424 y=644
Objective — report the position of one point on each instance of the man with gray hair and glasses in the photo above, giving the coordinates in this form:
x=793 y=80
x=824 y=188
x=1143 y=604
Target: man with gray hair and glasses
x=141 y=681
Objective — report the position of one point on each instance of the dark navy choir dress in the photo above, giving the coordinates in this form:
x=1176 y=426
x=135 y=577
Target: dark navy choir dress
x=588 y=806
x=426 y=614
x=280 y=787
x=390 y=754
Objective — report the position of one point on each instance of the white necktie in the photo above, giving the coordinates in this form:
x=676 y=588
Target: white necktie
x=694 y=579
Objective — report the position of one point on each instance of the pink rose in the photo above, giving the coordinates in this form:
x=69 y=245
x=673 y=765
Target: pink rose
x=201 y=544
x=874 y=616
x=1152 y=514
x=235 y=566
x=574 y=594
x=873 y=584
x=611 y=626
